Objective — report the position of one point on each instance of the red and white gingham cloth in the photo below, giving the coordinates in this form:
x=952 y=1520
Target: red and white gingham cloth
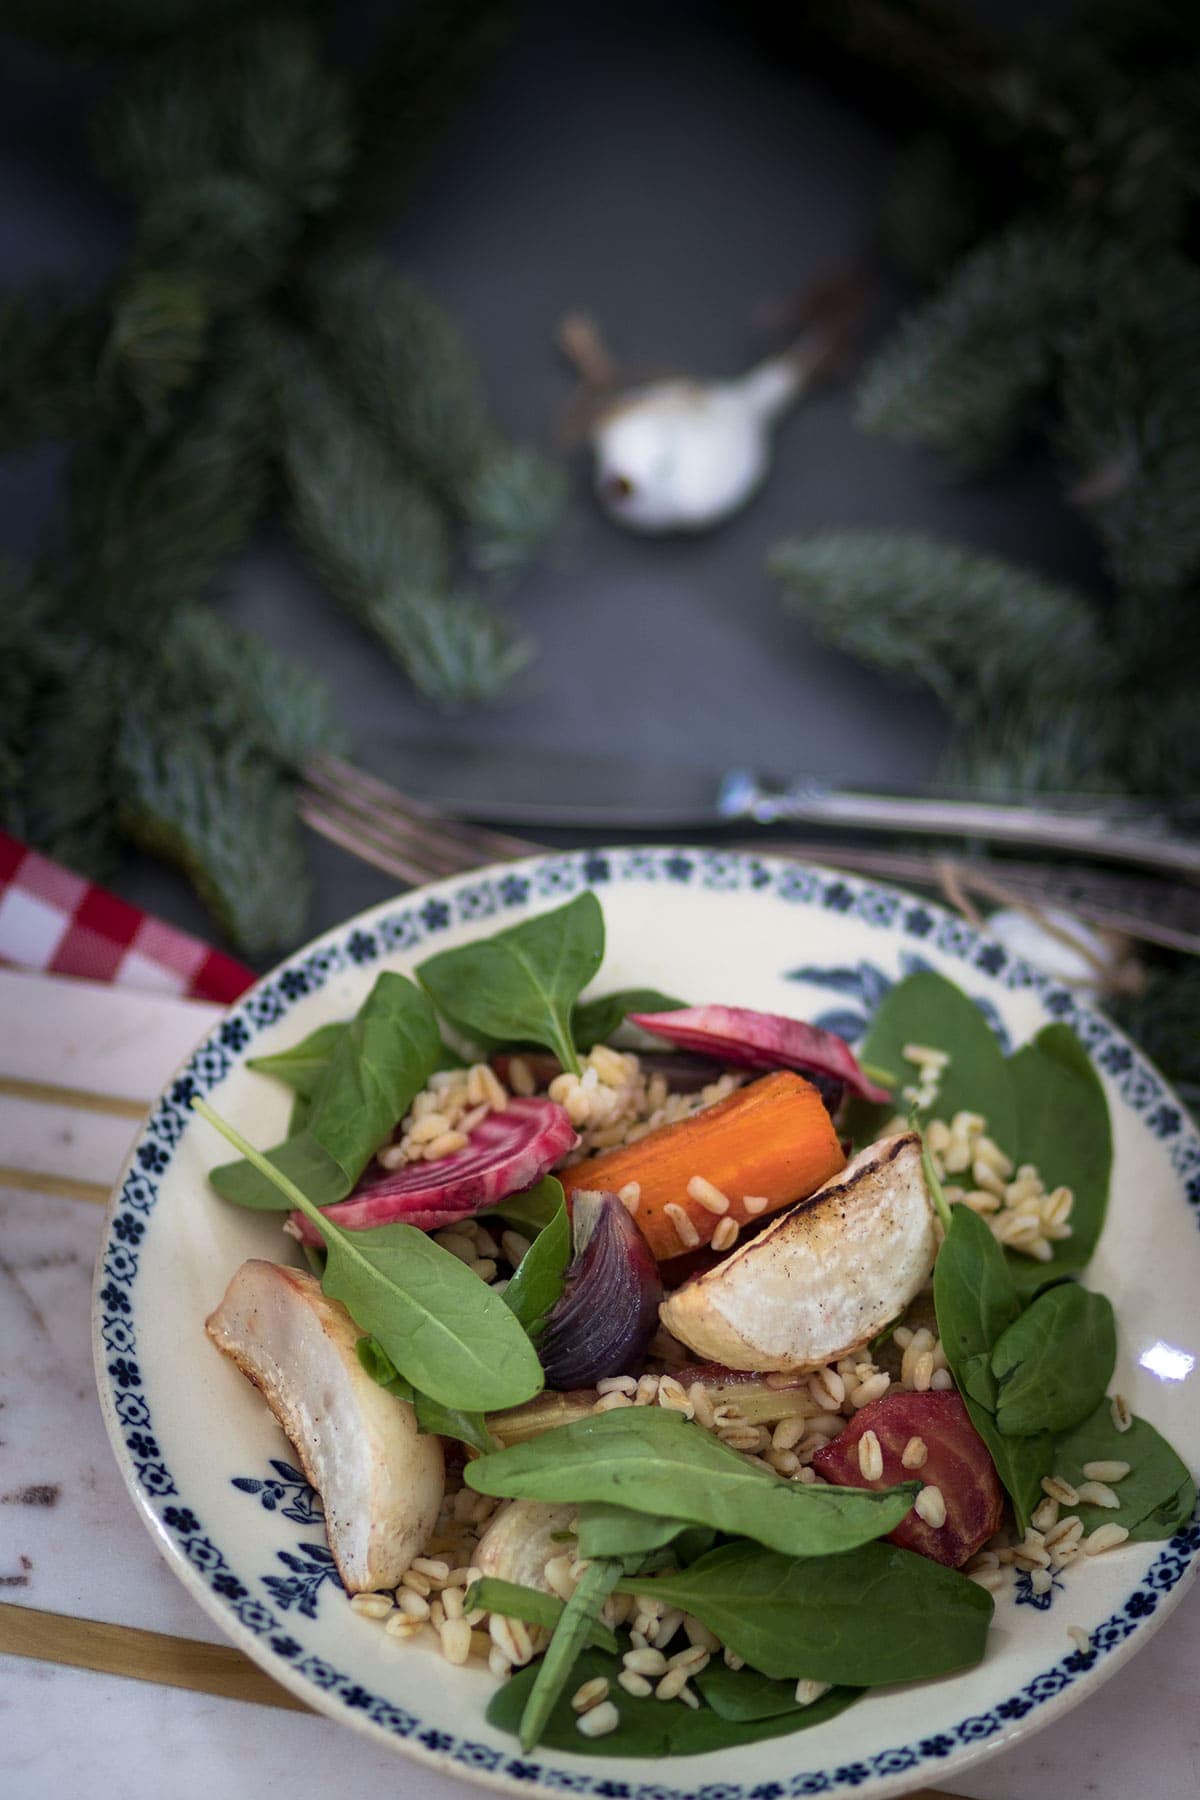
x=54 y=920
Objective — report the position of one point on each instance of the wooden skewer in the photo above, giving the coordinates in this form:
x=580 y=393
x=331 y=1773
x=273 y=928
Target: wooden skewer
x=82 y=1099
x=63 y=1187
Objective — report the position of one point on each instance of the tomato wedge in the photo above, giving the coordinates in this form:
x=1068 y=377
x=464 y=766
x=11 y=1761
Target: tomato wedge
x=956 y=1462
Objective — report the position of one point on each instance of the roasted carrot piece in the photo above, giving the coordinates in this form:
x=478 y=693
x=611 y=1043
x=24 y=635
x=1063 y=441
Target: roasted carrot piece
x=772 y=1141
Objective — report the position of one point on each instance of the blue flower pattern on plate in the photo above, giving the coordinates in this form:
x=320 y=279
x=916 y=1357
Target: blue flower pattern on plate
x=311 y=1567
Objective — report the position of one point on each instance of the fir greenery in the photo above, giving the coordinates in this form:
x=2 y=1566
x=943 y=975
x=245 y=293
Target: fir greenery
x=251 y=349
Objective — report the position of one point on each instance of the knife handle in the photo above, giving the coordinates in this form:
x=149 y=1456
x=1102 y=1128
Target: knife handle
x=1105 y=827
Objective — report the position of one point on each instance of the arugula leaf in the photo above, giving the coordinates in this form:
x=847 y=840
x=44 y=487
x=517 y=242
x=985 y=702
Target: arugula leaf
x=976 y=1301
x=302 y=1067
x=538 y=1279
x=875 y=1615
x=595 y=1021
x=926 y=1008
x=443 y=1329
x=1066 y=1133
x=1157 y=1496
x=516 y=1601
x=534 y=1209
x=521 y=984
x=654 y=1461
x=1053 y=1364
x=579 y=1615
x=648 y=1727
x=383 y=1058
x=743 y=1694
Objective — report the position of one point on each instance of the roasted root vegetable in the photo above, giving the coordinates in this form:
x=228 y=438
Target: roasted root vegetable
x=522 y=1538
x=380 y=1481
x=824 y=1278
x=608 y=1310
x=759 y=1040
x=772 y=1142
x=945 y=1452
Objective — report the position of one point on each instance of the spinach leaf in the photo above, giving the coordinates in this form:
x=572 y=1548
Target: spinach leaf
x=649 y=1727
x=521 y=984
x=1053 y=1364
x=1158 y=1494
x=443 y=1329
x=976 y=1301
x=616 y=1531
x=433 y=1419
x=1066 y=1133
x=580 y=1614
x=742 y=1694
x=878 y=1614
x=534 y=1209
x=927 y=1009
x=654 y=1461
x=538 y=1280
x=518 y=1602
x=303 y=1065
x=595 y=1021
x=382 y=1059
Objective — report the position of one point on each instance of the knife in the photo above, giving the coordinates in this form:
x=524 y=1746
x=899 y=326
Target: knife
x=578 y=790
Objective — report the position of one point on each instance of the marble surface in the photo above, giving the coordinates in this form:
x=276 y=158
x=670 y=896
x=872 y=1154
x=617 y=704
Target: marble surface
x=71 y=1542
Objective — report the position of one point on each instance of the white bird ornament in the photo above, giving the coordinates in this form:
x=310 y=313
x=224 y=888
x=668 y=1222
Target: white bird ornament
x=678 y=454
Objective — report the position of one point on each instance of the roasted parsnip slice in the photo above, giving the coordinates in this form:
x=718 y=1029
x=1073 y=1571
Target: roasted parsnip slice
x=380 y=1481
x=823 y=1278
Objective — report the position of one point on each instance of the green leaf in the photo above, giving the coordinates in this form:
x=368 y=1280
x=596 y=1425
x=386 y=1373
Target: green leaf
x=976 y=1301
x=744 y=1694
x=522 y=983
x=1157 y=1496
x=538 y=1279
x=385 y=1056
x=595 y=1021
x=579 y=1616
x=1053 y=1365
x=1065 y=1132
x=516 y=1601
x=649 y=1727
x=443 y=1329
x=302 y=1067
x=927 y=1009
x=655 y=1461
x=618 y=1531
x=876 y=1615
x=535 y=1208
x=432 y=1418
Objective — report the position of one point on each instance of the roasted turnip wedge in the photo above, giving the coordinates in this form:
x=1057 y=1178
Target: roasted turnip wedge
x=522 y=1538
x=823 y=1278
x=381 y=1483
x=759 y=1040
x=505 y=1154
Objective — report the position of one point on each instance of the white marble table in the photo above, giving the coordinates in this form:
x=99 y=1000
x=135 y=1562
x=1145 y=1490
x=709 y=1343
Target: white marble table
x=71 y=1543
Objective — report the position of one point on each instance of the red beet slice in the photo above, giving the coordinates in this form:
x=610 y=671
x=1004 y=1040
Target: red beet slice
x=763 y=1041
x=957 y=1462
x=505 y=1154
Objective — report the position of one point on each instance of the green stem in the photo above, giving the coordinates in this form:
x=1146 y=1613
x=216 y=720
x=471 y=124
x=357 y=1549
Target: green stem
x=884 y=1077
x=570 y=1635
x=933 y=1183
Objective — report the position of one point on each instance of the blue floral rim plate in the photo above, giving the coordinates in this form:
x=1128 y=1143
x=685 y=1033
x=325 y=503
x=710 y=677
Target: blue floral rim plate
x=236 y=1521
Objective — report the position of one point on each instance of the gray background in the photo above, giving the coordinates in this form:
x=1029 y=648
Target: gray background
x=649 y=164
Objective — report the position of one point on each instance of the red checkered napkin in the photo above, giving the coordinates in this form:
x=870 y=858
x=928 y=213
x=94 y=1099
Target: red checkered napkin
x=54 y=920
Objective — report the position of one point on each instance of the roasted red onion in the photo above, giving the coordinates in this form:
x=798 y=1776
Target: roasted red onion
x=762 y=1041
x=608 y=1310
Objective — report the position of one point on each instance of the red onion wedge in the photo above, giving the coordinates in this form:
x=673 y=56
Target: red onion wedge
x=608 y=1310
x=762 y=1041
x=505 y=1154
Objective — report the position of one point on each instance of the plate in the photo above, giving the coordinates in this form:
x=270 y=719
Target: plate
x=214 y=1478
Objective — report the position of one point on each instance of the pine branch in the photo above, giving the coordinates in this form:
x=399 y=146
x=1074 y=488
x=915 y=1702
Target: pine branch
x=120 y=25
x=976 y=630
x=932 y=208
x=50 y=349
x=27 y=658
x=223 y=815
x=69 y=779
x=382 y=544
x=512 y=506
x=1130 y=395
x=158 y=336
x=966 y=373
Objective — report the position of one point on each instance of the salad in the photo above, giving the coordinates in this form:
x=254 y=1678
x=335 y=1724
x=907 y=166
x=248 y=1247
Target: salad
x=687 y=1371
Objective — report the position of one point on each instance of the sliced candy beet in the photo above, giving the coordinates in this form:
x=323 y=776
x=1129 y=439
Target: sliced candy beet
x=758 y=1040
x=505 y=1154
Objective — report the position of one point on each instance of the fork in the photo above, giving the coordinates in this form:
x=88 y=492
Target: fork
x=415 y=843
